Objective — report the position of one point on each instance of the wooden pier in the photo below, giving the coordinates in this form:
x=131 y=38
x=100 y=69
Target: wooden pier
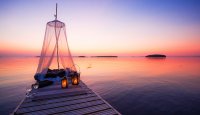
x=74 y=100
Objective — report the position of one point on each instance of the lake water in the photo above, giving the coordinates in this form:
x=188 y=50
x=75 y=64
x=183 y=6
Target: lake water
x=133 y=85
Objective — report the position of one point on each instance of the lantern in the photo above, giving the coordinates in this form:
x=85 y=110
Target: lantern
x=64 y=83
x=35 y=86
x=75 y=80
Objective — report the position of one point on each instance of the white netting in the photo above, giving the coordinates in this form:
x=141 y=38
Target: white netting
x=55 y=34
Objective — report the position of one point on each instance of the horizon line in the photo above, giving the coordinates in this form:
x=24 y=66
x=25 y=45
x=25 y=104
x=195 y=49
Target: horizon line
x=104 y=56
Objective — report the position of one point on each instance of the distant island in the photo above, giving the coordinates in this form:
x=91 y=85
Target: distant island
x=82 y=56
x=105 y=56
x=156 y=55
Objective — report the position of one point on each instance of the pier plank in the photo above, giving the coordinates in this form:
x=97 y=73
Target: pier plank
x=75 y=100
x=61 y=109
x=44 y=102
x=54 y=105
x=87 y=110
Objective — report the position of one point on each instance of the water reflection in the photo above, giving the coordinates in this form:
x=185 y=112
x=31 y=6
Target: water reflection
x=147 y=86
x=132 y=85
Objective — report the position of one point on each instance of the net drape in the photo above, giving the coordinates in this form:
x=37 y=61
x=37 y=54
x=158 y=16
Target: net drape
x=55 y=34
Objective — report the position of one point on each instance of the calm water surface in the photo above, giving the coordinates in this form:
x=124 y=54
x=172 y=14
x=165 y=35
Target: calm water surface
x=138 y=86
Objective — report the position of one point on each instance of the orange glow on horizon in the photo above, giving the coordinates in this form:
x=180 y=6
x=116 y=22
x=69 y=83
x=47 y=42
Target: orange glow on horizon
x=189 y=50
x=174 y=48
x=9 y=49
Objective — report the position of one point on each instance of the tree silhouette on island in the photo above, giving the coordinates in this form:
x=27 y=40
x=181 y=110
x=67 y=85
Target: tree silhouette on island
x=156 y=55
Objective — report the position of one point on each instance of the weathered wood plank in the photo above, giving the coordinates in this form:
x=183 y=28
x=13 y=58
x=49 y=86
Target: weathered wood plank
x=87 y=110
x=53 y=96
x=75 y=100
x=59 y=104
x=62 y=109
x=56 y=87
x=51 y=101
x=58 y=91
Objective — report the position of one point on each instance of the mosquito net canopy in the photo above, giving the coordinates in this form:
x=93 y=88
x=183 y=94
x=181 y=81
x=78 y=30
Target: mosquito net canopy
x=55 y=52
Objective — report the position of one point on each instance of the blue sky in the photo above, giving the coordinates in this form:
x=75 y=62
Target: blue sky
x=104 y=27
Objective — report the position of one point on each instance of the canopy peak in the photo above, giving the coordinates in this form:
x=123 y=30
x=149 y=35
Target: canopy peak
x=56 y=12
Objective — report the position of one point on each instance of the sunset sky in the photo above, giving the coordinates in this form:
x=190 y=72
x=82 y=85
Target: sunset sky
x=103 y=27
